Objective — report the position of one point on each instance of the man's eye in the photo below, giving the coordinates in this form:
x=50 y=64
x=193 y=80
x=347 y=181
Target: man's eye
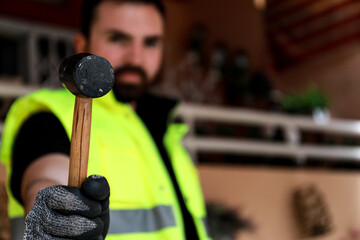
x=153 y=42
x=118 y=39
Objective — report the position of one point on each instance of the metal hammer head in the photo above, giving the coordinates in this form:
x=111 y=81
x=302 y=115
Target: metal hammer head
x=86 y=75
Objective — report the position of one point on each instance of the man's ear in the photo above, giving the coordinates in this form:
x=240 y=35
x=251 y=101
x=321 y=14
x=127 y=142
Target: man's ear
x=80 y=43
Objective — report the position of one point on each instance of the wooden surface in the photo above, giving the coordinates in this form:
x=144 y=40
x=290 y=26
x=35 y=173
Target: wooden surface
x=80 y=140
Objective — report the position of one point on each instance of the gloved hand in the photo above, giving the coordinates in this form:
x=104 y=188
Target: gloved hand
x=63 y=212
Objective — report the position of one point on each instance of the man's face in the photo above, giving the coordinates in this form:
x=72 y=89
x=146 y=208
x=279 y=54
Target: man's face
x=130 y=37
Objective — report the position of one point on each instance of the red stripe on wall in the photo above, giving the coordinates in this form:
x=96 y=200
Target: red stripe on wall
x=314 y=34
x=315 y=16
x=355 y=37
x=315 y=31
x=273 y=15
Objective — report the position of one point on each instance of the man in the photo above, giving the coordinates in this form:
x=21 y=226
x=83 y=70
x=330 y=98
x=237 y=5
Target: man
x=155 y=192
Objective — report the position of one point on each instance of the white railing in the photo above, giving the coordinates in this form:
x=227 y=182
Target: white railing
x=14 y=88
x=291 y=125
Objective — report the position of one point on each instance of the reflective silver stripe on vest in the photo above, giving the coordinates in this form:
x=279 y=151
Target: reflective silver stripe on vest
x=141 y=220
x=204 y=220
x=17 y=228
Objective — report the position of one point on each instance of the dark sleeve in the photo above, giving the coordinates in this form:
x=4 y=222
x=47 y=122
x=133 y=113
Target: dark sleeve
x=42 y=133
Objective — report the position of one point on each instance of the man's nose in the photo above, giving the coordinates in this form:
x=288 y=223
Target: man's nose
x=136 y=54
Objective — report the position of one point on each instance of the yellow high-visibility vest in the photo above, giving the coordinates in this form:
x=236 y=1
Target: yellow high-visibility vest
x=143 y=202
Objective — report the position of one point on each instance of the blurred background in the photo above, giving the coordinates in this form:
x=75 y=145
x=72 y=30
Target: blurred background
x=271 y=93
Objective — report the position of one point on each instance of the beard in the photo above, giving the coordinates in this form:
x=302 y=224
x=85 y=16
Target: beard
x=126 y=92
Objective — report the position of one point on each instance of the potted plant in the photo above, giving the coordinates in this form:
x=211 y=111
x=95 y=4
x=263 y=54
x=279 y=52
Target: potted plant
x=306 y=102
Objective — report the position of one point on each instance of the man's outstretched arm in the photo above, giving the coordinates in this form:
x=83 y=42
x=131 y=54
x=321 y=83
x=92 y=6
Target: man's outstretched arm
x=47 y=170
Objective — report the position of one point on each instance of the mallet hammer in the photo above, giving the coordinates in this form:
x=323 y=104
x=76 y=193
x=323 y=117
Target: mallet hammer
x=86 y=76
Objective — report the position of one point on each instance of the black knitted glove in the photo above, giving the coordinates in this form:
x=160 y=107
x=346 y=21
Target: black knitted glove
x=63 y=212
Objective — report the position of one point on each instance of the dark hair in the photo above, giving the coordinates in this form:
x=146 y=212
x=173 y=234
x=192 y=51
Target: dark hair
x=89 y=7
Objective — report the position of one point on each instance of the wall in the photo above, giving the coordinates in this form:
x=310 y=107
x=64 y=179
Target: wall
x=64 y=13
x=4 y=221
x=2 y=173
x=264 y=196
x=238 y=23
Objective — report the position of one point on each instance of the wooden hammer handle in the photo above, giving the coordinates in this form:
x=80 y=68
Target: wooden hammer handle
x=80 y=140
